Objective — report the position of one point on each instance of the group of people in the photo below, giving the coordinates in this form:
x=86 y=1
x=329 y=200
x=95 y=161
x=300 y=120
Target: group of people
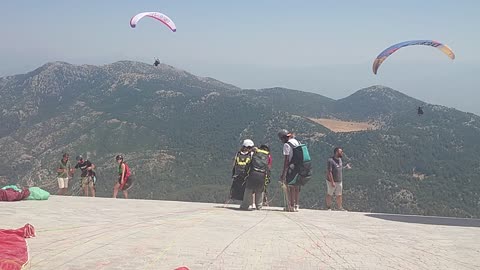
x=88 y=177
x=251 y=174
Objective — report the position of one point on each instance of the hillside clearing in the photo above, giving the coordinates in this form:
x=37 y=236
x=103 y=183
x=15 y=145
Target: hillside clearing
x=343 y=126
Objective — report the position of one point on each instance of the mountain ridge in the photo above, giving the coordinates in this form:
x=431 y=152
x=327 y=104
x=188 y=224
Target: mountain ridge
x=179 y=132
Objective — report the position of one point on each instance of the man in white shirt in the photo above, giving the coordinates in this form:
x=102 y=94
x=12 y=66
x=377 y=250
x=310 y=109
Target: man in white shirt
x=288 y=172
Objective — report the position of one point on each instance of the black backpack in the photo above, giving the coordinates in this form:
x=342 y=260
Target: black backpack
x=302 y=162
x=241 y=163
x=259 y=161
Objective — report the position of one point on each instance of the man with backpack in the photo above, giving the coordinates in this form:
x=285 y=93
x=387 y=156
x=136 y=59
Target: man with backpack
x=87 y=174
x=296 y=168
x=257 y=172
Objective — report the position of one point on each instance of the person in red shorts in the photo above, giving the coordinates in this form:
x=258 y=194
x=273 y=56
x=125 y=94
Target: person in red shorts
x=125 y=179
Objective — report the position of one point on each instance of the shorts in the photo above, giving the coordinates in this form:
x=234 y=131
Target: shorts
x=337 y=190
x=128 y=182
x=87 y=181
x=62 y=182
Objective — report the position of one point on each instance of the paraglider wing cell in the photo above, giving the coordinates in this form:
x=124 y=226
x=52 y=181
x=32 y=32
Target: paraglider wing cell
x=390 y=50
x=155 y=15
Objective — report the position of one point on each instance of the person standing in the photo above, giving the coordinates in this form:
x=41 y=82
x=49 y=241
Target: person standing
x=335 y=179
x=86 y=175
x=256 y=176
x=288 y=173
x=125 y=179
x=239 y=171
x=64 y=170
x=268 y=175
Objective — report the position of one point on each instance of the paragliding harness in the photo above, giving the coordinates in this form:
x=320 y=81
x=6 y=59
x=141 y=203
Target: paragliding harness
x=420 y=111
x=300 y=169
x=157 y=62
x=259 y=161
x=241 y=162
x=91 y=175
x=259 y=165
x=239 y=174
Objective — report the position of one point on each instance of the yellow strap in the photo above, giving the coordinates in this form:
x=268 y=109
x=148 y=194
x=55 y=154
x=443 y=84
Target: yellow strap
x=263 y=151
x=243 y=163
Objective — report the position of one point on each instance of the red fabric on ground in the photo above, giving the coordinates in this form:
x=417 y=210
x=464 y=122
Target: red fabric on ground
x=13 y=247
x=10 y=195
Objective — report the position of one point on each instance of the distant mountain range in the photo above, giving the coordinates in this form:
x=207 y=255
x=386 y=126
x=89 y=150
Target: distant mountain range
x=179 y=133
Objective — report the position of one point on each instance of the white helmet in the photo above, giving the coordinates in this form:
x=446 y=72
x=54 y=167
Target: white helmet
x=248 y=143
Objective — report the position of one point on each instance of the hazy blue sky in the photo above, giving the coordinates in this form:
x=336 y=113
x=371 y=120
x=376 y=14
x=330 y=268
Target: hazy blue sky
x=326 y=47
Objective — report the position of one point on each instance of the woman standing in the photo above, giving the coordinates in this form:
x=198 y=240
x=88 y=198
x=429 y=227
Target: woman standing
x=124 y=178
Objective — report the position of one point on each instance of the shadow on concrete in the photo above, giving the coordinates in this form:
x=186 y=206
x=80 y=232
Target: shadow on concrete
x=445 y=221
x=274 y=210
x=237 y=208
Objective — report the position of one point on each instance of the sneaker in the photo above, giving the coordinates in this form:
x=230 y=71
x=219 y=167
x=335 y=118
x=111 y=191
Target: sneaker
x=329 y=209
x=342 y=209
x=296 y=208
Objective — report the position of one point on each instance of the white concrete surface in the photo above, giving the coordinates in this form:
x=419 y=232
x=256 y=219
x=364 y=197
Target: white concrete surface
x=101 y=233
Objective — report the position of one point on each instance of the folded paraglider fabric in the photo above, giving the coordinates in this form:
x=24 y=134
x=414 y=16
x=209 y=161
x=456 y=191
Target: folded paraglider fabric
x=14 y=193
x=10 y=195
x=13 y=247
x=15 y=187
x=37 y=193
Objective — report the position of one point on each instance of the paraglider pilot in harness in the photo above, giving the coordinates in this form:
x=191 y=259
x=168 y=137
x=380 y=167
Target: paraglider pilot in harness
x=257 y=175
x=419 y=111
x=241 y=161
x=157 y=62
